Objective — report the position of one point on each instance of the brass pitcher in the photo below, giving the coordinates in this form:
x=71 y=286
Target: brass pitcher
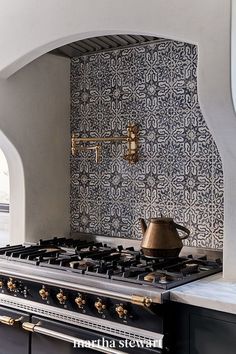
x=161 y=239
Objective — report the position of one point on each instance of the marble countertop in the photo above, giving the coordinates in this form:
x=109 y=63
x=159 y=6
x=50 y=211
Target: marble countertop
x=212 y=292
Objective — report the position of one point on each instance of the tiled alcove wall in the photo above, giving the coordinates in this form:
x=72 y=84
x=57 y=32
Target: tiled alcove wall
x=179 y=173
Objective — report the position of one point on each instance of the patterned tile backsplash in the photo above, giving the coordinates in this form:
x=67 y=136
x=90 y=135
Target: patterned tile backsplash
x=179 y=173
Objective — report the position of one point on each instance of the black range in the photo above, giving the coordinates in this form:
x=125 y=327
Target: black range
x=111 y=291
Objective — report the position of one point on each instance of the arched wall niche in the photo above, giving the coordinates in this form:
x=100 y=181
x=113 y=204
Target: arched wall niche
x=17 y=190
x=206 y=23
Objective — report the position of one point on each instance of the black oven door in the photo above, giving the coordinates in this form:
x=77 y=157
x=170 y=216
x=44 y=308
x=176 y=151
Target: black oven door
x=52 y=337
x=14 y=339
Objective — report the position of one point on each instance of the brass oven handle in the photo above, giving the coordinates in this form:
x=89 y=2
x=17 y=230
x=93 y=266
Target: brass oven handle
x=9 y=321
x=36 y=328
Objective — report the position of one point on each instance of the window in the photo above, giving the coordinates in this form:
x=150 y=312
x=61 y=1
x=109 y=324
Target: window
x=4 y=200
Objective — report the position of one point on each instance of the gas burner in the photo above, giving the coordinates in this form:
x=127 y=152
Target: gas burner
x=159 y=278
x=163 y=279
x=82 y=264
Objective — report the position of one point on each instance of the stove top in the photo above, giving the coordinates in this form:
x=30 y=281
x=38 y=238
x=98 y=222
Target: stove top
x=116 y=263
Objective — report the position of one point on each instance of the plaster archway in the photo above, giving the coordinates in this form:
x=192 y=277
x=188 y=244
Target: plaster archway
x=206 y=23
x=17 y=190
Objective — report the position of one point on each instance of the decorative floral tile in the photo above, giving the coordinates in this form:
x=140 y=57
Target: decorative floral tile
x=179 y=173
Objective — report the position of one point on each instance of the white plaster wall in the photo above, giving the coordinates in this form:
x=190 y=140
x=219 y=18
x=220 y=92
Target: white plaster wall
x=36 y=27
x=233 y=52
x=17 y=191
x=34 y=116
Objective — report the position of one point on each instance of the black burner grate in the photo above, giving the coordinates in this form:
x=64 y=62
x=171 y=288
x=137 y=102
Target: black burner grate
x=116 y=263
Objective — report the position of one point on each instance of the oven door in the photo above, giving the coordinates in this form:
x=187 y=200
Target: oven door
x=51 y=337
x=13 y=339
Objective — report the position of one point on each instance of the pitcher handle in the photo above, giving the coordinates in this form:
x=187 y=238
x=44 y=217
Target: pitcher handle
x=182 y=228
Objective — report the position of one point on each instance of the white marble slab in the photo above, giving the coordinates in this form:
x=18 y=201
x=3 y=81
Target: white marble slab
x=211 y=292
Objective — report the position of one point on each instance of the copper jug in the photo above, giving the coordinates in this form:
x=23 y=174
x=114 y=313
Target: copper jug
x=161 y=239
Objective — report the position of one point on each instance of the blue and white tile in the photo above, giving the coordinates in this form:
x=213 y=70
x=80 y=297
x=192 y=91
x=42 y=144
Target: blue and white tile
x=179 y=172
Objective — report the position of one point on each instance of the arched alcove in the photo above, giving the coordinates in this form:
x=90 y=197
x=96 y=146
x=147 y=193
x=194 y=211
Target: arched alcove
x=17 y=191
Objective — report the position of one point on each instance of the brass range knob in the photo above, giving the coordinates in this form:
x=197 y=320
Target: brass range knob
x=80 y=301
x=11 y=285
x=61 y=297
x=1 y=284
x=100 y=306
x=121 y=311
x=43 y=293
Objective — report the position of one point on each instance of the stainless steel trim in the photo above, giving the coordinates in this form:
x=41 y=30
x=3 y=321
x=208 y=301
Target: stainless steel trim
x=36 y=328
x=81 y=320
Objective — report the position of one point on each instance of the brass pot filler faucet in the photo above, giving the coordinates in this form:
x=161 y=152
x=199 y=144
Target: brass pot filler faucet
x=131 y=153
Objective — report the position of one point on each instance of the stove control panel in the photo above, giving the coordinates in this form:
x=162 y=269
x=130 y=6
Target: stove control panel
x=89 y=304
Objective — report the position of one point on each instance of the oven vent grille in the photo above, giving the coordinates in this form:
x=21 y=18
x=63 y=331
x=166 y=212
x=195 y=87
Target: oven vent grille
x=111 y=328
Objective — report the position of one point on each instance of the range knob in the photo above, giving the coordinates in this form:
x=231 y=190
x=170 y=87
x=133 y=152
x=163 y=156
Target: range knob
x=121 y=311
x=43 y=293
x=100 y=306
x=61 y=297
x=80 y=301
x=11 y=285
x=1 y=284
